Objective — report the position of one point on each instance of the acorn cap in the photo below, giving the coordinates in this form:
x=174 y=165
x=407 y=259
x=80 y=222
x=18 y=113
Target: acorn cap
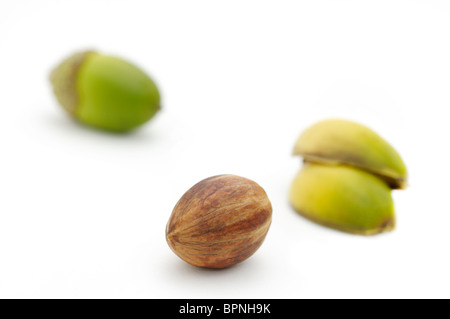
x=64 y=81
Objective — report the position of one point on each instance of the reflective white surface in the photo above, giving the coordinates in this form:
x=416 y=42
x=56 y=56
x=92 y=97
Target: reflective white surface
x=83 y=213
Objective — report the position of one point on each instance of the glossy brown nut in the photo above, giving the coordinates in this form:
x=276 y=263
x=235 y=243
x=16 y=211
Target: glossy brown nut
x=219 y=222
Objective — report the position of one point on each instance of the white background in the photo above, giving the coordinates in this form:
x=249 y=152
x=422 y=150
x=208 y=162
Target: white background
x=83 y=213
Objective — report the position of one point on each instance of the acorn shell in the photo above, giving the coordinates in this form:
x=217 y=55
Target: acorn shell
x=337 y=142
x=344 y=198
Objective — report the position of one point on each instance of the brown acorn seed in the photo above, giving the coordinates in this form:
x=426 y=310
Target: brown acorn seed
x=219 y=222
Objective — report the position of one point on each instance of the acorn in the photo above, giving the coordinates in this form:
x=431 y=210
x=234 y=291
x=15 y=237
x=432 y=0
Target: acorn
x=219 y=222
x=105 y=92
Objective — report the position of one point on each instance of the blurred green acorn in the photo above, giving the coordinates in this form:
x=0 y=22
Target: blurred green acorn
x=105 y=92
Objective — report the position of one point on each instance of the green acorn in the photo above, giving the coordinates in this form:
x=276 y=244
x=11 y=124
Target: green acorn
x=105 y=92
